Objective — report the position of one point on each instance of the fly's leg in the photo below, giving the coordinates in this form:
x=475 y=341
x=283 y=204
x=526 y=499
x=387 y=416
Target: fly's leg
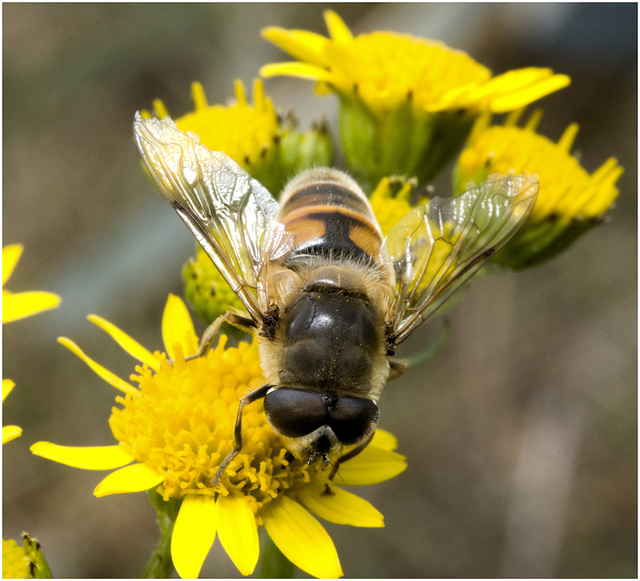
x=348 y=456
x=246 y=400
x=212 y=330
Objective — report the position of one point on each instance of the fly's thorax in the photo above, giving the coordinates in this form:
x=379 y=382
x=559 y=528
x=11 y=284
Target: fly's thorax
x=330 y=334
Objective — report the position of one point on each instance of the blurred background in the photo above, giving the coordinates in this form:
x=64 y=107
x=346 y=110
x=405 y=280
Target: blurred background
x=521 y=436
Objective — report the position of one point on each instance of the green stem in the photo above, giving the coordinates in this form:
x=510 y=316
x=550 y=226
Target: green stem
x=160 y=565
x=273 y=564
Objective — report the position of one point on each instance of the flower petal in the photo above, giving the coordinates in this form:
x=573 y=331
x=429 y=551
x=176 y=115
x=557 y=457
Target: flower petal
x=338 y=30
x=87 y=457
x=7 y=386
x=193 y=534
x=300 y=44
x=295 y=69
x=371 y=466
x=134 y=478
x=17 y=306
x=10 y=256
x=238 y=532
x=385 y=440
x=131 y=346
x=10 y=433
x=526 y=86
x=340 y=507
x=177 y=327
x=301 y=538
x=110 y=378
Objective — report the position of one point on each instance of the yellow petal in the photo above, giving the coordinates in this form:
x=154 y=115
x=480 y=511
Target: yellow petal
x=17 y=306
x=199 y=97
x=10 y=256
x=134 y=478
x=177 y=327
x=7 y=387
x=371 y=466
x=294 y=69
x=131 y=346
x=238 y=532
x=338 y=30
x=110 y=378
x=87 y=457
x=193 y=534
x=528 y=93
x=300 y=44
x=385 y=440
x=10 y=433
x=301 y=538
x=340 y=507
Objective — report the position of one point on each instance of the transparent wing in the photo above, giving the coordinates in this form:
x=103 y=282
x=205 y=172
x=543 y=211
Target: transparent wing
x=437 y=247
x=227 y=211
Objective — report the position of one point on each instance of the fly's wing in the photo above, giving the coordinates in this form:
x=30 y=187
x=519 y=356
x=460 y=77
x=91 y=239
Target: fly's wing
x=437 y=247
x=227 y=211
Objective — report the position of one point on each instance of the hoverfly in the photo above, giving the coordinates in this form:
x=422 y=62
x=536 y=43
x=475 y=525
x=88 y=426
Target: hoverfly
x=327 y=296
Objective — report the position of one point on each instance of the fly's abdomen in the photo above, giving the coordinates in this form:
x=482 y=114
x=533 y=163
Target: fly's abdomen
x=328 y=216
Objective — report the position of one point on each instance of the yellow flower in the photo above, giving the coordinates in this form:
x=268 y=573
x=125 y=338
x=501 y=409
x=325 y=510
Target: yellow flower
x=253 y=136
x=570 y=200
x=20 y=305
x=399 y=94
x=176 y=426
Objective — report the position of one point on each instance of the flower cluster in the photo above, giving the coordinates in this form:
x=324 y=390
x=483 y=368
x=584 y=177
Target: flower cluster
x=407 y=107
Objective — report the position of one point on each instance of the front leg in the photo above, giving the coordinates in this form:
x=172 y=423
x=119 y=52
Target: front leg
x=246 y=400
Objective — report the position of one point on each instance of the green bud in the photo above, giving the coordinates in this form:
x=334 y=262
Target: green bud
x=208 y=292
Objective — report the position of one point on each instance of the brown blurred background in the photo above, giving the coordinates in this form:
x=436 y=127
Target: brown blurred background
x=520 y=436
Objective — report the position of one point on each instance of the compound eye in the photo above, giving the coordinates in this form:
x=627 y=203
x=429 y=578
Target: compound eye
x=294 y=412
x=353 y=418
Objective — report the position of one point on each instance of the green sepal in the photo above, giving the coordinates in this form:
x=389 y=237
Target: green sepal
x=38 y=565
x=405 y=141
x=160 y=565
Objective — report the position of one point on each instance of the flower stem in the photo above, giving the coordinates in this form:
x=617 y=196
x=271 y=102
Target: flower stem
x=160 y=565
x=273 y=564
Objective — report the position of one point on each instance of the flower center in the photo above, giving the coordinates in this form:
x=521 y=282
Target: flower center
x=181 y=423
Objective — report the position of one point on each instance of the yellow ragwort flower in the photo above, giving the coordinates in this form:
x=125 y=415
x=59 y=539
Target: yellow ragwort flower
x=384 y=69
x=176 y=426
x=570 y=200
x=406 y=103
x=17 y=306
